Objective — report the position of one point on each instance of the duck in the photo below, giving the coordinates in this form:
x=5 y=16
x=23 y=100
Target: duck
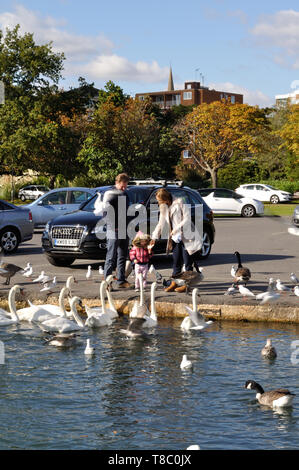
x=62 y=340
x=63 y=324
x=8 y=270
x=195 y=320
x=134 y=329
x=186 y=363
x=151 y=320
x=11 y=317
x=89 y=350
x=268 y=350
x=98 y=316
x=294 y=278
x=242 y=274
x=187 y=279
x=278 y=398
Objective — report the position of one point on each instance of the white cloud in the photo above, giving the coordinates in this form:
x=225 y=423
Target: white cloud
x=280 y=30
x=92 y=56
x=250 y=97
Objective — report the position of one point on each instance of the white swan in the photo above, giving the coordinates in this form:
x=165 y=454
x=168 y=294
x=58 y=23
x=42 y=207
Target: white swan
x=55 y=309
x=62 y=324
x=141 y=308
x=151 y=320
x=11 y=317
x=195 y=320
x=98 y=316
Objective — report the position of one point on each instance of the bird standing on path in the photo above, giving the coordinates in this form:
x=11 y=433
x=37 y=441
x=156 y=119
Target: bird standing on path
x=8 y=270
x=242 y=274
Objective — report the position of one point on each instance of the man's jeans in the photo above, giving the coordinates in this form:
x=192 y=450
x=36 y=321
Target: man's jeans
x=116 y=256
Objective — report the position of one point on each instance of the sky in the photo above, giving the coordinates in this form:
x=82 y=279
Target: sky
x=228 y=45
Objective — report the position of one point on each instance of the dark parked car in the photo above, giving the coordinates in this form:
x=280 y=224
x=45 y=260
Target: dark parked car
x=16 y=226
x=74 y=236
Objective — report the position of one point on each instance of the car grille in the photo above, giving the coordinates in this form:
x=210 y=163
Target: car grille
x=67 y=236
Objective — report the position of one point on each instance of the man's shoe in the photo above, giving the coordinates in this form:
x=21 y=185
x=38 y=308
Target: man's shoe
x=171 y=287
x=125 y=285
x=181 y=289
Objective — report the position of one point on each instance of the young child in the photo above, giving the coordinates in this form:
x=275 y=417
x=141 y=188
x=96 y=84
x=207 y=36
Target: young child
x=140 y=254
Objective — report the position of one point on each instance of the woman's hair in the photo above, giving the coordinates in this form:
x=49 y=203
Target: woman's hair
x=164 y=196
x=122 y=177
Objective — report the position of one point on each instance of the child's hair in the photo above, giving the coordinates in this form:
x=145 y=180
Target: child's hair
x=139 y=238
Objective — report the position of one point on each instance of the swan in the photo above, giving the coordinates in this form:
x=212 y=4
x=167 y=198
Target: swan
x=11 y=317
x=279 y=398
x=62 y=324
x=151 y=320
x=55 y=309
x=186 y=363
x=268 y=350
x=195 y=320
x=98 y=316
x=141 y=308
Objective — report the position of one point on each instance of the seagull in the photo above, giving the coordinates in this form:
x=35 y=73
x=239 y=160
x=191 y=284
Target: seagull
x=231 y=290
x=48 y=287
x=28 y=271
x=271 y=288
x=270 y=296
x=296 y=290
x=193 y=447
x=281 y=287
x=101 y=272
x=186 y=363
x=89 y=273
x=294 y=278
x=41 y=278
x=245 y=292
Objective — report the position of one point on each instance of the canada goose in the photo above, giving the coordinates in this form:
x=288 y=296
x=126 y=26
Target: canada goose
x=268 y=350
x=8 y=270
x=188 y=279
x=242 y=274
x=279 y=398
x=186 y=363
x=294 y=278
x=134 y=329
x=62 y=340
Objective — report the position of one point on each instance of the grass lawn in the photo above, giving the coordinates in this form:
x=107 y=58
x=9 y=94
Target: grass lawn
x=286 y=209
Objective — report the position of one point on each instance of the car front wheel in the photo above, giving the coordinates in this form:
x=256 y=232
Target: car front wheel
x=9 y=240
x=23 y=198
x=63 y=262
x=206 y=246
x=274 y=199
x=248 y=211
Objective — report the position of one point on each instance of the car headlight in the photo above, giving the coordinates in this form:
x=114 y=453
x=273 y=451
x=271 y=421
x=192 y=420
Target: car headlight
x=47 y=227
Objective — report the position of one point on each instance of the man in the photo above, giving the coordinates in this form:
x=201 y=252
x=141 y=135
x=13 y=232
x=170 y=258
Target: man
x=116 y=203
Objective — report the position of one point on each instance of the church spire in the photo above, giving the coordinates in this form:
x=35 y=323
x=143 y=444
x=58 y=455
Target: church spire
x=170 y=81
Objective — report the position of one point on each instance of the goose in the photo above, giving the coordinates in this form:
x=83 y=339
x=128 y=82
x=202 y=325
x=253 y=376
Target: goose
x=188 y=279
x=294 y=278
x=11 y=317
x=151 y=320
x=89 y=350
x=97 y=317
x=62 y=324
x=242 y=274
x=140 y=309
x=89 y=273
x=186 y=363
x=134 y=329
x=296 y=291
x=8 y=270
x=195 y=320
x=245 y=292
x=62 y=340
x=282 y=287
x=276 y=398
x=268 y=350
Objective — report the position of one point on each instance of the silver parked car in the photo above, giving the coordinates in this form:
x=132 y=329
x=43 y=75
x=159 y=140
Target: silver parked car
x=58 y=202
x=295 y=216
x=16 y=226
x=33 y=191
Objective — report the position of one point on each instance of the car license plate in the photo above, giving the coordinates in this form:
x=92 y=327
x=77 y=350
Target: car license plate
x=66 y=242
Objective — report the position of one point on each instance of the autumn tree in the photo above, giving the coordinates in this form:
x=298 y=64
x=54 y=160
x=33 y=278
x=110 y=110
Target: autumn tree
x=213 y=133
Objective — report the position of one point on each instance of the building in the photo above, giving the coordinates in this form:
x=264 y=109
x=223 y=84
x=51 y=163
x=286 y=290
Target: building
x=288 y=98
x=192 y=94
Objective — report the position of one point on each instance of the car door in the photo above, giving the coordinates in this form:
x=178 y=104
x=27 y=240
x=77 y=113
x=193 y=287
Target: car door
x=50 y=206
x=224 y=202
x=262 y=193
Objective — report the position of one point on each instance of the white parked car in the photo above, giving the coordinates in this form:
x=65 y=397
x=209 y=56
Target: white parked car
x=34 y=191
x=264 y=192
x=226 y=201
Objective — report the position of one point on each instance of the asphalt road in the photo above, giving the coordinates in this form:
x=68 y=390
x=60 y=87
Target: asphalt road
x=264 y=243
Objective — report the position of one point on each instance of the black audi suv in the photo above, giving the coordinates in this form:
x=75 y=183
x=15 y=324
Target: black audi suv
x=78 y=234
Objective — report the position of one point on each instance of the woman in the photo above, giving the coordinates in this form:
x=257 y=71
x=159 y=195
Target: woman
x=185 y=243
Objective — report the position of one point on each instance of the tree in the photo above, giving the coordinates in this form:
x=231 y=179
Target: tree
x=212 y=133
x=290 y=131
x=113 y=93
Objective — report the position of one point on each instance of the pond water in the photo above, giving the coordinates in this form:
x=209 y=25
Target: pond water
x=133 y=395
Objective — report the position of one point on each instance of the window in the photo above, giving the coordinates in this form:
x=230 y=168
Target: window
x=250 y=187
x=56 y=198
x=222 y=193
x=187 y=95
x=186 y=154
x=233 y=99
x=77 y=197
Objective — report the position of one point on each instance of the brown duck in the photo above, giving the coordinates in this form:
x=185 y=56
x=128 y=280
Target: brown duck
x=185 y=280
x=8 y=270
